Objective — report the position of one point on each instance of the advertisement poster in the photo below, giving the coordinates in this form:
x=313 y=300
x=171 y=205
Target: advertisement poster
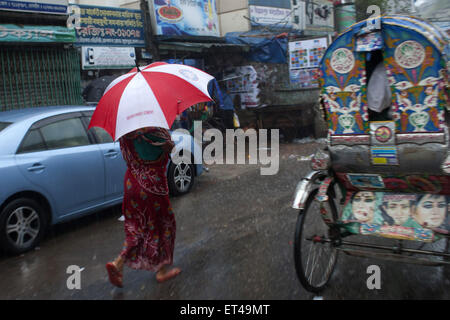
x=244 y=82
x=304 y=58
x=319 y=16
x=305 y=78
x=107 y=58
x=110 y=26
x=186 y=17
x=275 y=17
x=41 y=6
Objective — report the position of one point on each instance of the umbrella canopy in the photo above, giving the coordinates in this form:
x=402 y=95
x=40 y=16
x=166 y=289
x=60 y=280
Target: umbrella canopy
x=151 y=96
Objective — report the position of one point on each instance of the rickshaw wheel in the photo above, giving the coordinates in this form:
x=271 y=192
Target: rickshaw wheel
x=314 y=260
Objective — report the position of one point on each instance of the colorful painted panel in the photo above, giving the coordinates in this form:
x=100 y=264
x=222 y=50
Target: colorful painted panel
x=416 y=74
x=407 y=183
x=414 y=51
x=366 y=181
x=343 y=82
x=397 y=232
x=407 y=214
x=446 y=165
x=369 y=42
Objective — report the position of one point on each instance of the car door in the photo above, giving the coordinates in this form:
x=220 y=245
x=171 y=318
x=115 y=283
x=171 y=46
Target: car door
x=57 y=155
x=115 y=166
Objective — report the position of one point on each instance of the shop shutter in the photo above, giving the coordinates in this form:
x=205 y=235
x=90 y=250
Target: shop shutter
x=39 y=76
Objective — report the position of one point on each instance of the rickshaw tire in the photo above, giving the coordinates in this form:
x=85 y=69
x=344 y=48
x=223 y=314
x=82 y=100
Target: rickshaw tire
x=297 y=245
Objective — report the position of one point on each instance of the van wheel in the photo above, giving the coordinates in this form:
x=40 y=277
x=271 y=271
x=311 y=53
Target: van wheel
x=22 y=225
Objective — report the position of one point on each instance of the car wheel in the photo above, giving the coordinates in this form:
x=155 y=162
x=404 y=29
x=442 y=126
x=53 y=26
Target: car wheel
x=22 y=225
x=180 y=178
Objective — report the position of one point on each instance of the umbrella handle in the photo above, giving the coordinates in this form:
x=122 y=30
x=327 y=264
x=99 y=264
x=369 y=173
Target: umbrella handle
x=137 y=66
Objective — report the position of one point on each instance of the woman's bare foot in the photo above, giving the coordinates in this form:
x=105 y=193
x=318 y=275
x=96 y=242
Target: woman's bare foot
x=115 y=272
x=163 y=274
x=119 y=262
x=115 y=276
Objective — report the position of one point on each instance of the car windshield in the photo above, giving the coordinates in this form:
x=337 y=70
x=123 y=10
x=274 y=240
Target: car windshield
x=3 y=125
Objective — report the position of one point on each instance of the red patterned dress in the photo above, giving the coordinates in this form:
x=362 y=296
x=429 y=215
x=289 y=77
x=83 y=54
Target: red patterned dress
x=149 y=220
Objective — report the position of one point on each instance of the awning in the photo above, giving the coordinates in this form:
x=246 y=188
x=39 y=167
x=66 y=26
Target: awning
x=201 y=47
x=263 y=47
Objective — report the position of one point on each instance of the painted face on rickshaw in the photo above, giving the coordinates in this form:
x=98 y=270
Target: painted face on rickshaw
x=399 y=210
x=347 y=121
x=431 y=210
x=419 y=118
x=363 y=206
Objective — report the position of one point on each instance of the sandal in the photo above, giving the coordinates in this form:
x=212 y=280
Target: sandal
x=168 y=275
x=115 y=276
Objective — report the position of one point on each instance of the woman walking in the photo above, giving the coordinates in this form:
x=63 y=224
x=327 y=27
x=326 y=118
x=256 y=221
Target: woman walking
x=149 y=220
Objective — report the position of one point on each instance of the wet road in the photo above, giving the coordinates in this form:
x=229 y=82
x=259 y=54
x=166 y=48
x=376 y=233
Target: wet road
x=234 y=241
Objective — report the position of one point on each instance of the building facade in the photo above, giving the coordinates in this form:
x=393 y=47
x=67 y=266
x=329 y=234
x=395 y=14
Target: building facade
x=39 y=64
x=305 y=17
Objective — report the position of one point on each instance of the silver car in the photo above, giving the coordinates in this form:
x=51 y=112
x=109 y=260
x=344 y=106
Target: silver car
x=53 y=170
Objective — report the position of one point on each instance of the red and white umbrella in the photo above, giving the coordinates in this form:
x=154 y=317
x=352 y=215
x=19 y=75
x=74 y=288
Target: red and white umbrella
x=150 y=96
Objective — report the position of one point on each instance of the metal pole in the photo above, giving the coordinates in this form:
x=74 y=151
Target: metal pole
x=5 y=92
x=413 y=7
x=375 y=246
x=151 y=46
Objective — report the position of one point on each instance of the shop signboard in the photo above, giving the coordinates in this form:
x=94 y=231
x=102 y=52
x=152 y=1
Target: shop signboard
x=37 y=6
x=185 y=17
x=105 y=26
x=22 y=33
x=304 y=58
x=93 y=57
x=270 y=16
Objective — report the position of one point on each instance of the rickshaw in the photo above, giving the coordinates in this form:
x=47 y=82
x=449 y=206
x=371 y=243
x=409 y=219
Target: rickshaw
x=383 y=173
